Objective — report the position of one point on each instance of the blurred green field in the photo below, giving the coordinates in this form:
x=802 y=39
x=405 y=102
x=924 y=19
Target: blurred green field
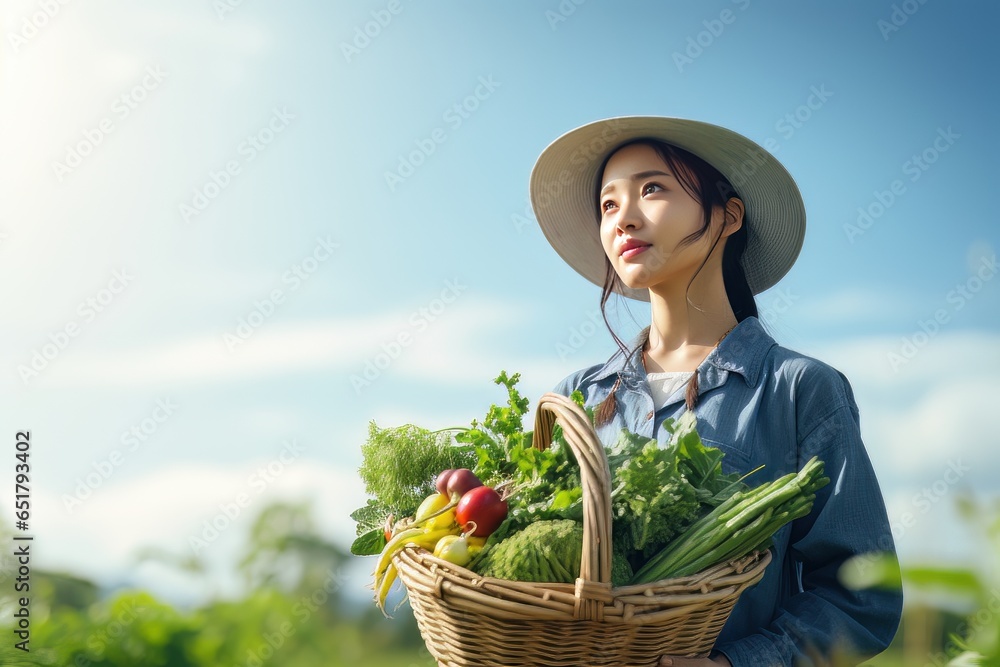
x=295 y=614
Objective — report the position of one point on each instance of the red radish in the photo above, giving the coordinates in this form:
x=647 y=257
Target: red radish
x=481 y=511
x=461 y=481
x=387 y=528
x=442 y=481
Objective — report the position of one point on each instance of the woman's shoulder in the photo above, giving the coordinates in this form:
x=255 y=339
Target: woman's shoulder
x=604 y=372
x=802 y=367
x=580 y=379
x=808 y=379
x=752 y=351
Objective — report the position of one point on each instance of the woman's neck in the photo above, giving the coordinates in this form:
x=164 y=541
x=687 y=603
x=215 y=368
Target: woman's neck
x=682 y=334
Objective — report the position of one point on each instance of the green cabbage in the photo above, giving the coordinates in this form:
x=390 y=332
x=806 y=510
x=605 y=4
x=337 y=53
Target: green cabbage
x=544 y=551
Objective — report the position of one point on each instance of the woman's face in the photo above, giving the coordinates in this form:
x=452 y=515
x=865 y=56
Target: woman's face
x=645 y=214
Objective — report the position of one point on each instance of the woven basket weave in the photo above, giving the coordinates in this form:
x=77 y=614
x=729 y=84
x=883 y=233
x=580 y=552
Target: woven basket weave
x=467 y=619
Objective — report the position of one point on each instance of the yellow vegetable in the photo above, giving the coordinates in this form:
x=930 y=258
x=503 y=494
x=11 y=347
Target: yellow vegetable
x=432 y=513
x=391 y=547
x=382 y=592
x=385 y=571
x=457 y=549
x=434 y=521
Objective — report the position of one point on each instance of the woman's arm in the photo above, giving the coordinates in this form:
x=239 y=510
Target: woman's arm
x=824 y=619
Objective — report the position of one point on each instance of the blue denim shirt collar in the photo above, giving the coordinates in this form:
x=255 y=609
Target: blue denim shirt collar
x=742 y=351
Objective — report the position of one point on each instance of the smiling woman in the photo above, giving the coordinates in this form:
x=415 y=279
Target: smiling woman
x=684 y=199
x=656 y=217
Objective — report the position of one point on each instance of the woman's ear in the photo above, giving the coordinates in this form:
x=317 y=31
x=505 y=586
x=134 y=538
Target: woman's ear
x=733 y=215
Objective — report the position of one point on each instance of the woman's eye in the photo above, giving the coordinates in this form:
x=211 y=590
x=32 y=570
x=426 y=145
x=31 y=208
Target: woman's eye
x=646 y=189
x=606 y=204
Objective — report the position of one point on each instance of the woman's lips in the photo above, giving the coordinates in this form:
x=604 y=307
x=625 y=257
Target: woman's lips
x=636 y=250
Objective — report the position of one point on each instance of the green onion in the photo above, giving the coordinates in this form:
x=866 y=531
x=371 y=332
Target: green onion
x=737 y=527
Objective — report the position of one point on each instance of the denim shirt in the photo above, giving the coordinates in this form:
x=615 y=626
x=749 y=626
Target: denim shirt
x=765 y=405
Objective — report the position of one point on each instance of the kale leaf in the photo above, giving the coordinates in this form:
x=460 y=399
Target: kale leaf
x=651 y=501
x=658 y=491
x=701 y=465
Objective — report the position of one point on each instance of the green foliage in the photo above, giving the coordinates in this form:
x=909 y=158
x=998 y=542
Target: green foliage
x=543 y=551
x=659 y=491
x=656 y=491
x=500 y=432
x=285 y=550
x=400 y=464
x=701 y=466
x=546 y=551
x=65 y=590
x=130 y=629
x=371 y=516
x=370 y=543
x=651 y=501
x=295 y=617
x=266 y=627
x=399 y=467
x=543 y=485
x=976 y=640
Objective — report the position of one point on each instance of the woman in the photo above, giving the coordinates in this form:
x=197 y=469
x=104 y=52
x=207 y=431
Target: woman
x=697 y=219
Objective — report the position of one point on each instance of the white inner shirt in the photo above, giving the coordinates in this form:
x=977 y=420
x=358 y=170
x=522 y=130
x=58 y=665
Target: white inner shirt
x=663 y=385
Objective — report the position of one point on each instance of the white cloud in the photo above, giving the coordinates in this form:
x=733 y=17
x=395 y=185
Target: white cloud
x=935 y=532
x=463 y=352
x=954 y=419
x=102 y=536
x=451 y=351
x=939 y=407
x=272 y=348
x=961 y=354
x=853 y=305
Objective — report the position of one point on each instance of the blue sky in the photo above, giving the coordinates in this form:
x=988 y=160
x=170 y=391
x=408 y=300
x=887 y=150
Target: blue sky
x=232 y=163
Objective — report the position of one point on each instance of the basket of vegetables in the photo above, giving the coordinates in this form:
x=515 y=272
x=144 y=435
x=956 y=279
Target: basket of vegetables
x=550 y=549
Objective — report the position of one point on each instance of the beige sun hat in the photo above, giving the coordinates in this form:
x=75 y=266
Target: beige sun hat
x=564 y=193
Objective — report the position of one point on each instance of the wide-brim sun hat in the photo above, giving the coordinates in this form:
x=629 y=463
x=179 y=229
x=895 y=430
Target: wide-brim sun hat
x=564 y=197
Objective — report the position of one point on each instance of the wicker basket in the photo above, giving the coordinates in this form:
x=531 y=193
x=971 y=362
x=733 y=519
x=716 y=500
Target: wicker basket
x=467 y=619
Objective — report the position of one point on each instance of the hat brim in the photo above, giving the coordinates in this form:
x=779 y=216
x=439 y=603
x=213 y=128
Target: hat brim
x=564 y=199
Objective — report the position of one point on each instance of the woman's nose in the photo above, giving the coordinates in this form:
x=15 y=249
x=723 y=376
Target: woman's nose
x=629 y=217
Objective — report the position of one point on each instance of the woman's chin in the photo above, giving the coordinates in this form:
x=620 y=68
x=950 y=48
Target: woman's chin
x=639 y=285
x=637 y=278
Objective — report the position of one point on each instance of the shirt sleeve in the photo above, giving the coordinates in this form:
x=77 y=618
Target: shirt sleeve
x=565 y=386
x=823 y=621
x=571 y=382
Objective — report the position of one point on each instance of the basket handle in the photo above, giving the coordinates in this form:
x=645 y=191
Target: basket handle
x=593 y=588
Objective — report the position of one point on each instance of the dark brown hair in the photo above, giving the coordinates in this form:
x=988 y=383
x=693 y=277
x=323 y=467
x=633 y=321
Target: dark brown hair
x=707 y=185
